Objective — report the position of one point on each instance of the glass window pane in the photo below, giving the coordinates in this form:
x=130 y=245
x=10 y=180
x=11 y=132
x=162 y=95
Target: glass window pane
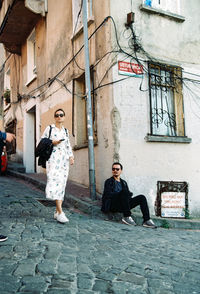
x=162 y=102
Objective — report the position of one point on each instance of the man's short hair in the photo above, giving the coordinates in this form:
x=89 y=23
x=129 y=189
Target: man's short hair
x=118 y=164
x=60 y=109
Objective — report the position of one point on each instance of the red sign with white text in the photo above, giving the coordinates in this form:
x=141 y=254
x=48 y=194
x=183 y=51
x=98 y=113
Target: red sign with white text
x=129 y=68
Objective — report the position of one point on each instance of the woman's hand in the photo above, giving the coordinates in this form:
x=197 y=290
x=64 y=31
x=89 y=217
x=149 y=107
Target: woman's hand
x=71 y=160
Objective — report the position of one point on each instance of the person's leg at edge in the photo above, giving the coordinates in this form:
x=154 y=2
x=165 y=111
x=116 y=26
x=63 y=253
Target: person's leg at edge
x=2 y=237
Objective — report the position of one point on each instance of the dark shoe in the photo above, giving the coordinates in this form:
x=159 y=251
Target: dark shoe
x=3 y=238
x=128 y=221
x=109 y=216
x=149 y=224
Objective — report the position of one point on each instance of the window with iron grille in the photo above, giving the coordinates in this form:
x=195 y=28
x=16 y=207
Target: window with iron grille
x=166 y=100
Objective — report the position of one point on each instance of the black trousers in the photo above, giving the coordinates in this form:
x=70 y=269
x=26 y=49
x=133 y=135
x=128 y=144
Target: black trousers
x=123 y=203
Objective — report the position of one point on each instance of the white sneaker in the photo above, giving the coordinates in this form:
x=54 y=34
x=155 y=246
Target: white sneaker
x=128 y=221
x=149 y=224
x=55 y=215
x=61 y=218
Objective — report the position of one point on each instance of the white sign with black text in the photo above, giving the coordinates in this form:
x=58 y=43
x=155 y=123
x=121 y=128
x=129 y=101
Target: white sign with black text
x=173 y=204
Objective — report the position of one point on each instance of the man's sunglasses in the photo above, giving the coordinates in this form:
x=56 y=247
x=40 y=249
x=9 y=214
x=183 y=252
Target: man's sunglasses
x=115 y=168
x=59 y=114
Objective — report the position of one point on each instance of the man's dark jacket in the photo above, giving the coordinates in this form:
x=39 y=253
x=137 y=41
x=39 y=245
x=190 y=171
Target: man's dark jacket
x=44 y=150
x=109 y=193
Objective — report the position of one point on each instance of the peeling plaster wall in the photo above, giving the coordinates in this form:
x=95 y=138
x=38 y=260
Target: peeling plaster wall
x=58 y=53
x=116 y=125
x=145 y=163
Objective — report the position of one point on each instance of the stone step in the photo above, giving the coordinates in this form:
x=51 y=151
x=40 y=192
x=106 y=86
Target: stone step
x=15 y=166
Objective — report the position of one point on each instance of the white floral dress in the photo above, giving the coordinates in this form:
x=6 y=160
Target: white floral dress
x=57 y=167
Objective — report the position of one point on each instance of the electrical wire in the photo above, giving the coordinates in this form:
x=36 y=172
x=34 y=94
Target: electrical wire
x=111 y=83
x=64 y=85
x=50 y=81
x=75 y=27
x=134 y=46
x=3 y=65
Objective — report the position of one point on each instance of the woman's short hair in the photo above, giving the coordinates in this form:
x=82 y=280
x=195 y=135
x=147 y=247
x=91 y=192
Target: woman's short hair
x=60 y=109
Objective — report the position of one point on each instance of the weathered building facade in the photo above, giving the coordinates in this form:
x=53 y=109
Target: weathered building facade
x=157 y=111
x=46 y=73
x=144 y=78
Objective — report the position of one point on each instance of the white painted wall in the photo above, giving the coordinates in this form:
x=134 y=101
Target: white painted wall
x=145 y=163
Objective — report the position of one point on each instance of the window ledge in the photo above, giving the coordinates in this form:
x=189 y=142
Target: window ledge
x=79 y=31
x=174 y=16
x=154 y=138
x=31 y=80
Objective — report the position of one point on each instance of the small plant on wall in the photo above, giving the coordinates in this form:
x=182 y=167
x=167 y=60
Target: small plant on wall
x=6 y=96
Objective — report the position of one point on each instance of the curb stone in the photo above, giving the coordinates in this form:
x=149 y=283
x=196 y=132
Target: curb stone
x=92 y=208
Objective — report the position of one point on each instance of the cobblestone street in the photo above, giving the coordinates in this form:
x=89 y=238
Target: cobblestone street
x=89 y=255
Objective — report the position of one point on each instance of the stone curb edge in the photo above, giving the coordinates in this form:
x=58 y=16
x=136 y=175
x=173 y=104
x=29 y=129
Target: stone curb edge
x=94 y=211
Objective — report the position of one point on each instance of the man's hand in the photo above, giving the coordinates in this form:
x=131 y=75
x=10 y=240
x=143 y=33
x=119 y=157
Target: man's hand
x=10 y=137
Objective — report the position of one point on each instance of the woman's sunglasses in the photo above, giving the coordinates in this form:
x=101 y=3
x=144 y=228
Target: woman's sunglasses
x=59 y=114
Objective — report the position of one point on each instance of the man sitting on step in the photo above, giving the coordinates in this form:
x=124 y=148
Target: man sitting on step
x=117 y=198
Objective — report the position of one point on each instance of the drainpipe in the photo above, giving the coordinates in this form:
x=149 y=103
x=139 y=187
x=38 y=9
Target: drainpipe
x=92 y=181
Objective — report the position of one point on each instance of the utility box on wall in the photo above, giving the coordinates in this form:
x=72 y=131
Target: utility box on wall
x=172 y=199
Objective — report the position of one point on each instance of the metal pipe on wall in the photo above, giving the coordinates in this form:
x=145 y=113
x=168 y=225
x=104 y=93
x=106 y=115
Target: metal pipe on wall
x=92 y=180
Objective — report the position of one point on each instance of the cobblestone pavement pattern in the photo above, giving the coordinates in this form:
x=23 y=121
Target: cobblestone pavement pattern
x=89 y=255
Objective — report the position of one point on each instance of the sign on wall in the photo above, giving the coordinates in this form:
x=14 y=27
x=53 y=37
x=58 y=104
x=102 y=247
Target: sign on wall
x=173 y=204
x=130 y=69
x=172 y=199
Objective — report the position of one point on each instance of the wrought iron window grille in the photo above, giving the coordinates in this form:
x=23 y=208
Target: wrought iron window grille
x=163 y=86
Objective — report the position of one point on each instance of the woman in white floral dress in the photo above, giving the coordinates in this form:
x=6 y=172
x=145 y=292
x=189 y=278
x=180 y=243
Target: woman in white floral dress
x=57 y=166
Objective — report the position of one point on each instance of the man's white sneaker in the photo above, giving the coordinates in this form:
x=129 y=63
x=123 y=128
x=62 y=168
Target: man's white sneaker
x=128 y=221
x=61 y=218
x=149 y=224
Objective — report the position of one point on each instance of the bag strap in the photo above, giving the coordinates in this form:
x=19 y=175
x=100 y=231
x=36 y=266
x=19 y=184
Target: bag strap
x=67 y=133
x=50 y=131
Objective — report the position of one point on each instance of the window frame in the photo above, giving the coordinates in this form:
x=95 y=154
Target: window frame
x=78 y=24
x=175 y=16
x=31 y=57
x=176 y=71
x=165 y=5
x=75 y=96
